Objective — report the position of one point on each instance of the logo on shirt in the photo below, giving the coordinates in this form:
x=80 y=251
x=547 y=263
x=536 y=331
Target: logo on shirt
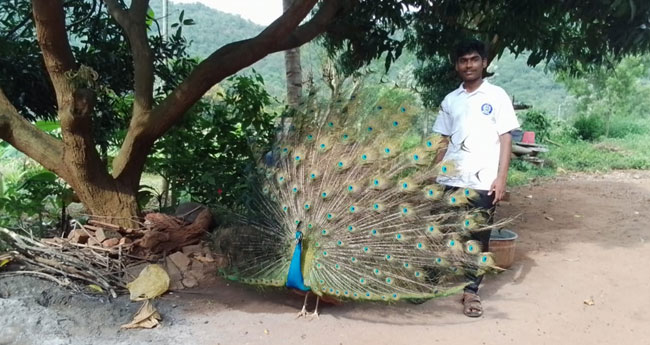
x=486 y=109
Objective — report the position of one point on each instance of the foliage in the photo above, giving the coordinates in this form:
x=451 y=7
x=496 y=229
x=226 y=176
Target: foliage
x=608 y=94
x=432 y=29
x=30 y=196
x=538 y=122
x=97 y=42
x=205 y=156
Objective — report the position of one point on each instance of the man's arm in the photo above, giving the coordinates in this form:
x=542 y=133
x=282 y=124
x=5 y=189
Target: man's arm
x=499 y=185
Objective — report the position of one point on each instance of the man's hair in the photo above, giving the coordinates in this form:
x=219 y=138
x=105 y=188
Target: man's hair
x=470 y=46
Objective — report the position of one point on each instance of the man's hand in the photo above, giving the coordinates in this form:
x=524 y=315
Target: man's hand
x=499 y=189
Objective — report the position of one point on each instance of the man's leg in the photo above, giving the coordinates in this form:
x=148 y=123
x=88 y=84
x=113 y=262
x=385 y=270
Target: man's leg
x=471 y=300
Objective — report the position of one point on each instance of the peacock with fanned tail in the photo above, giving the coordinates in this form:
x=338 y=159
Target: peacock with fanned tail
x=347 y=207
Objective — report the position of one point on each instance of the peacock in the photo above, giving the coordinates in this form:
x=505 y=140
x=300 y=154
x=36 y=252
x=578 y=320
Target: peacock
x=346 y=206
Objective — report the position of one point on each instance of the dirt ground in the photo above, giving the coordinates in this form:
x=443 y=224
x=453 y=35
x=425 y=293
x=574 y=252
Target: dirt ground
x=581 y=276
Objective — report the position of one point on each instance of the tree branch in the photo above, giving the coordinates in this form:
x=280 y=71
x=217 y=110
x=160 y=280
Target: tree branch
x=49 y=19
x=134 y=25
x=28 y=139
x=282 y=34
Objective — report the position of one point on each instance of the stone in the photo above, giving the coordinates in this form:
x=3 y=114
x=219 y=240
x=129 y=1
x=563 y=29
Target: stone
x=221 y=261
x=180 y=260
x=190 y=282
x=175 y=276
x=110 y=242
x=78 y=236
x=125 y=240
x=191 y=249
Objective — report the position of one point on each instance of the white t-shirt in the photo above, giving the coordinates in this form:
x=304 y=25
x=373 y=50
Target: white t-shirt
x=473 y=122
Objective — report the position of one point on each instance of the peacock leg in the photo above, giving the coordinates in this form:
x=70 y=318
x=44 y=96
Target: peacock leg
x=303 y=312
x=315 y=313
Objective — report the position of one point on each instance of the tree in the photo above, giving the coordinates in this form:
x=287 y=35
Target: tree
x=293 y=69
x=112 y=191
x=362 y=30
x=564 y=32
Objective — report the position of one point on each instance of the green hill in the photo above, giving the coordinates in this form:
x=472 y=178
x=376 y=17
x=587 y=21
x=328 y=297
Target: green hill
x=214 y=29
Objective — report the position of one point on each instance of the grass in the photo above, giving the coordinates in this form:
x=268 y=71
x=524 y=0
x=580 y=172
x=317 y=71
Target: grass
x=627 y=152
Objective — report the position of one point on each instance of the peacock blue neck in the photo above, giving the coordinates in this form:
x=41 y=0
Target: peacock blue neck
x=295 y=279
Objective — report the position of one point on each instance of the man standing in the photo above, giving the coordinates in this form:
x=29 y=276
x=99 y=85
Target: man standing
x=475 y=121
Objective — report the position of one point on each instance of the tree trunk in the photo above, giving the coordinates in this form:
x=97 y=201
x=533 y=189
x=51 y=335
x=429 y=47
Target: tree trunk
x=111 y=202
x=293 y=70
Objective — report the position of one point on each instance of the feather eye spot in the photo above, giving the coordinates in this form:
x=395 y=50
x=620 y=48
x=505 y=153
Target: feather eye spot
x=389 y=280
x=416 y=157
x=376 y=271
x=419 y=245
x=310 y=137
x=353 y=209
x=324 y=232
x=369 y=129
x=417 y=274
x=402 y=109
x=373 y=232
x=340 y=164
x=395 y=123
x=429 y=143
x=366 y=249
x=330 y=124
x=339 y=243
x=364 y=157
x=350 y=228
x=353 y=259
x=362 y=280
x=323 y=195
x=294 y=189
x=399 y=236
x=324 y=253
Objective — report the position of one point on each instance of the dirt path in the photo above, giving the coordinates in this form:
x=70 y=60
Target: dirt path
x=582 y=238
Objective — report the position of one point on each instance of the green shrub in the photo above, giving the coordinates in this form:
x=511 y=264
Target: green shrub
x=589 y=128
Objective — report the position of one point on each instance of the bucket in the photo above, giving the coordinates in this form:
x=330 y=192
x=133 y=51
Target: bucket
x=528 y=138
x=502 y=245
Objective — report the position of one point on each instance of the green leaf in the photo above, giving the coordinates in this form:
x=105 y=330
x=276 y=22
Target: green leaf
x=150 y=17
x=48 y=126
x=189 y=22
x=45 y=176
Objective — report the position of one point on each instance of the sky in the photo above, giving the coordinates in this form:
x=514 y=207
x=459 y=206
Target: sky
x=261 y=12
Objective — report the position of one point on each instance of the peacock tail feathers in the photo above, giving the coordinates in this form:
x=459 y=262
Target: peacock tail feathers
x=359 y=185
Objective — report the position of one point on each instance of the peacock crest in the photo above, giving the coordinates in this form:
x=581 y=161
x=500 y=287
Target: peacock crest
x=351 y=187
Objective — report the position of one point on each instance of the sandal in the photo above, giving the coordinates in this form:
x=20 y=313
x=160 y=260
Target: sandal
x=472 y=305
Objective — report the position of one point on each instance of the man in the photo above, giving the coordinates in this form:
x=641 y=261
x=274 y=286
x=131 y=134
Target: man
x=475 y=121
